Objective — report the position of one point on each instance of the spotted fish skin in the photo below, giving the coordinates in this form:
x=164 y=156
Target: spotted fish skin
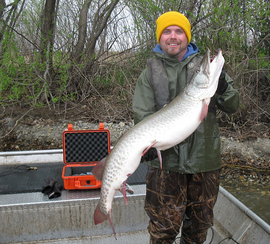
x=162 y=130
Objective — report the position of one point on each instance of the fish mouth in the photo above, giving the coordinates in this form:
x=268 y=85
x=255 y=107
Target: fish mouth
x=218 y=60
x=217 y=55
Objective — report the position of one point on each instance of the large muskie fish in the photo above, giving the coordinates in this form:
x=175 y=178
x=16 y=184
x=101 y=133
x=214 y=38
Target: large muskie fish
x=162 y=130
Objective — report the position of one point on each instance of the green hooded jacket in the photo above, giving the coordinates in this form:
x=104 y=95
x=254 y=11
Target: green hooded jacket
x=200 y=152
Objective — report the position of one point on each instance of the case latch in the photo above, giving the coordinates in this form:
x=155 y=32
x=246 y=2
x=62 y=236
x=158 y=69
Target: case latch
x=70 y=127
x=101 y=126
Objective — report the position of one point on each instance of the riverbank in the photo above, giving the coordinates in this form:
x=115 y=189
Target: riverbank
x=47 y=134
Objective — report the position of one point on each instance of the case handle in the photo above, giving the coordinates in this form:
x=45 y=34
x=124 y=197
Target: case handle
x=79 y=186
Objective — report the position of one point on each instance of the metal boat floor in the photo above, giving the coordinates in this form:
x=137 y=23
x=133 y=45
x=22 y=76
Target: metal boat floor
x=73 y=195
x=139 y=237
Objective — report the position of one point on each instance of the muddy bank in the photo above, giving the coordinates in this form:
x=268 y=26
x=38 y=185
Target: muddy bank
x=46 y=134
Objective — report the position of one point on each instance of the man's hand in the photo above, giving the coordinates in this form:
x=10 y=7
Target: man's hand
x=150 y=155
x=222 y=83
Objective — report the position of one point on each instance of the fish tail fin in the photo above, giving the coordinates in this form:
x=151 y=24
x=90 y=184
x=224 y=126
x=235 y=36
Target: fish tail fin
x=110 y=221
x=100 y=217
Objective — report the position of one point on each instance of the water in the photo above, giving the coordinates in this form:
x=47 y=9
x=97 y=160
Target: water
x=255 y=197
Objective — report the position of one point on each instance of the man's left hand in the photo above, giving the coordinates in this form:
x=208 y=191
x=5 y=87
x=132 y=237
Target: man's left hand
x=222 y=83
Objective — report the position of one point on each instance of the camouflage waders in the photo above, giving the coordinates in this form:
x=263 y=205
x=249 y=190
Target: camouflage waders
x=172 y=198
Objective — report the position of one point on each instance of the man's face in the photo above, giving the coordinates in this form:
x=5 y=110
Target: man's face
x=174 y=42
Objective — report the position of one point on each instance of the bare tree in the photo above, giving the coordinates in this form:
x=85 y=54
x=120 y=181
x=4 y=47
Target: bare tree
x=79 y=47
x=9 y=15
x=100 y=22
x=47 y=36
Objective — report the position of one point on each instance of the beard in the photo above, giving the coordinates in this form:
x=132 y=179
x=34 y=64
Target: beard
x=174 y=49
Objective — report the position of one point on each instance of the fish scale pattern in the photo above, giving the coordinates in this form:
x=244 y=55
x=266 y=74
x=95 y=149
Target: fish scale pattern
x=86 y=147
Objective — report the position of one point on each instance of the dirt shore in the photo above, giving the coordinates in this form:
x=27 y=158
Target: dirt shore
x=42 y=134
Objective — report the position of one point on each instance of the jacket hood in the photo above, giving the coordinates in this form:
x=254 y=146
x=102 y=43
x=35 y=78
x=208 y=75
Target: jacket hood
x=191 y=49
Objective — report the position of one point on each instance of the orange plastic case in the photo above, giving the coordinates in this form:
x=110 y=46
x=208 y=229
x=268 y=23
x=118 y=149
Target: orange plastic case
x=82 y=150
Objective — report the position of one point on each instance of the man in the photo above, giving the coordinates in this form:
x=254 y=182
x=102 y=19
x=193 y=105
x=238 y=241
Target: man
x=185 y=190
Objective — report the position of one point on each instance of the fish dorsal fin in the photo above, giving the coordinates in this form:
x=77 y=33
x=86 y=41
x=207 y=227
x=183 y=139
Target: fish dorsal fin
x=99 y=169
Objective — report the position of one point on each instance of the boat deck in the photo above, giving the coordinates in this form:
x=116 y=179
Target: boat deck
x=33 y=218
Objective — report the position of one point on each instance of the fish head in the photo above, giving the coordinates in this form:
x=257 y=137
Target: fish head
x=204 y=82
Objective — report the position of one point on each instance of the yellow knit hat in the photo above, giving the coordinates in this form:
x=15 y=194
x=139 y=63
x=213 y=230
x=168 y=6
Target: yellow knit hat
x=173 y=18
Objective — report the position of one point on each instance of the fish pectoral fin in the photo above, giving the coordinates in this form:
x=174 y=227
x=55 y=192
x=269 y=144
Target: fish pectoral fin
x=99 y=169
x=153 y=144
x=204 y=109
x=158 y=152
x=159 y=157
